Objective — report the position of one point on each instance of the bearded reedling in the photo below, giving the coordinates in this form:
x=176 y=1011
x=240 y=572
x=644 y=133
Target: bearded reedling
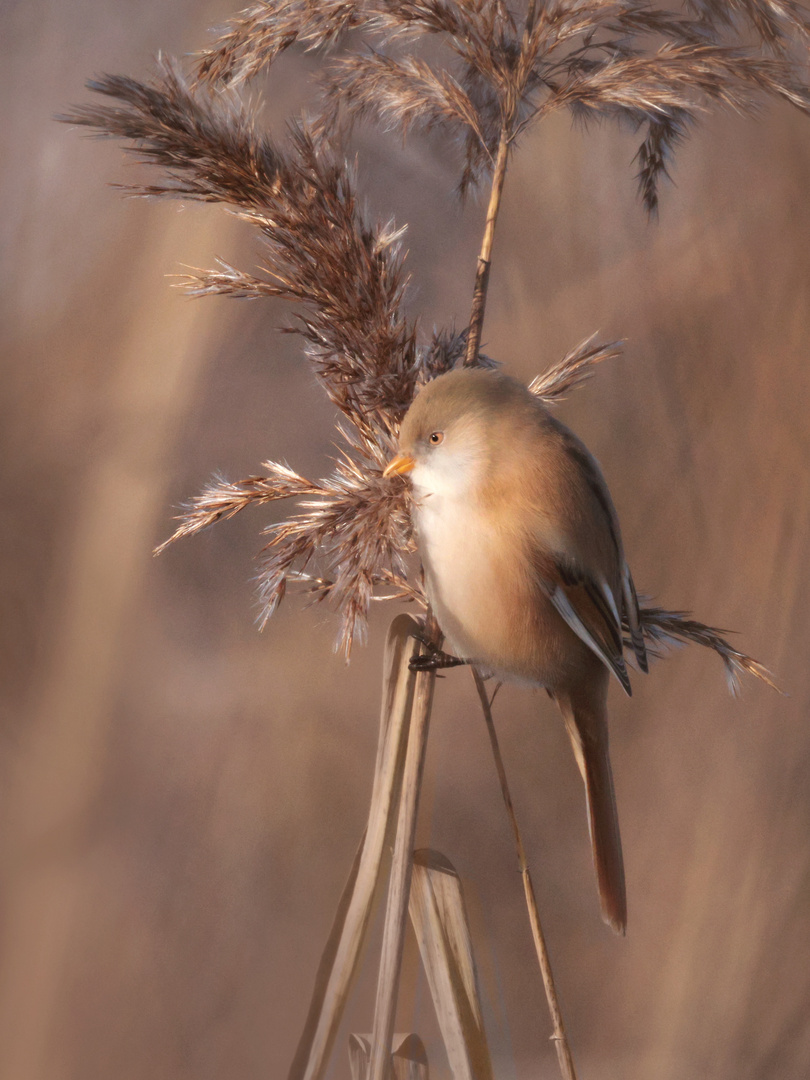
x=524 y=567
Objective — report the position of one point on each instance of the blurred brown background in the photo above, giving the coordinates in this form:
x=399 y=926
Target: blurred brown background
x=181 y=796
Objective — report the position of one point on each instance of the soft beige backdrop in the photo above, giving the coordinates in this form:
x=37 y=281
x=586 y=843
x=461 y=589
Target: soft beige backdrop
x=181 y=796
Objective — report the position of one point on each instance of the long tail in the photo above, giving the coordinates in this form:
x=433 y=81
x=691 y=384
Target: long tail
x=587 y=728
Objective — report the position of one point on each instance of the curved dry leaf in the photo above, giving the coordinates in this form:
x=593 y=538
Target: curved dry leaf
x=439 y=919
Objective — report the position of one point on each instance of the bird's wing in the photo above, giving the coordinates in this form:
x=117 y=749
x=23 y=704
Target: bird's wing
x=589 y=608
x=591 y=586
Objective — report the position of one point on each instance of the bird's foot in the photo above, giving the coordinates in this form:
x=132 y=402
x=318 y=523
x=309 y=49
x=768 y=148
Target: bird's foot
x=433 y=661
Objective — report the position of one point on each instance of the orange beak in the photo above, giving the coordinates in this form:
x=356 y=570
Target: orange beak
x=402 y=463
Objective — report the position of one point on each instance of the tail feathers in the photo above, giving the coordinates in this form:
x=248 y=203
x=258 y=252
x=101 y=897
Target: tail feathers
x=587 y=729
x=632 y=616
x=603 y=823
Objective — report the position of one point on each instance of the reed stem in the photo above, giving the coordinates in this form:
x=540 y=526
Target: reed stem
x=479 y=301
x=396 y=914
x=559 y=1038
x=346 y=941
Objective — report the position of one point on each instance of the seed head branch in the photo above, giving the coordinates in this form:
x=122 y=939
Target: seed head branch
x=575 y=368
x=400 y=93
x=221 y=499
x=357 y=530
x=320 y=248
x=259 y=34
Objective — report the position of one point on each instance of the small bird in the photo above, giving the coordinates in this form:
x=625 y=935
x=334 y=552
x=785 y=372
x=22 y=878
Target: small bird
x=524 y=567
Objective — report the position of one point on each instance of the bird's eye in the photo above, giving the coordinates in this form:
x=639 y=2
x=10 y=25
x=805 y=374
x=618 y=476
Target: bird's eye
x=436 y=437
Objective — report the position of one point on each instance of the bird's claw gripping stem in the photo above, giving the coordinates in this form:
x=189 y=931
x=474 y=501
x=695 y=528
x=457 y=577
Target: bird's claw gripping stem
x=433 y=661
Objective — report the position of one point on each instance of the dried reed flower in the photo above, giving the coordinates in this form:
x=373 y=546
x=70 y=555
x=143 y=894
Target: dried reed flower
x=320 y=248
x=575 y=368
x=257 y=36
x=655 y=68
x=781 y=25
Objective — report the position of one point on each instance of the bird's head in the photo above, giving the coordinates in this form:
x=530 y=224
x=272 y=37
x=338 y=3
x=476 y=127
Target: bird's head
x=455 y=427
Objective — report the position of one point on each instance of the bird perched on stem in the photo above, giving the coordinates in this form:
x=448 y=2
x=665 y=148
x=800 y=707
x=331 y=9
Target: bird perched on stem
x=524 y=566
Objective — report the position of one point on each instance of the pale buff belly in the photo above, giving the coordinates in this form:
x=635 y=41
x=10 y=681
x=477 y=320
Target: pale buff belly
x=488 y=607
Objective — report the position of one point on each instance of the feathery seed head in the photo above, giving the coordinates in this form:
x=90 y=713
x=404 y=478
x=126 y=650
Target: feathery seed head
x=507 y=67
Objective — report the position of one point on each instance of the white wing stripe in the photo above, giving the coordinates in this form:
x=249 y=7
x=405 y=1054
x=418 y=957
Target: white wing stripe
x=563 y=605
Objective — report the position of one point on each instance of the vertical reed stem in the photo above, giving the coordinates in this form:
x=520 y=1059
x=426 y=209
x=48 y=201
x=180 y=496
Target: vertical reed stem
x=484 y=259
x=479 y=301
x=396 y=914
x=558 y=1037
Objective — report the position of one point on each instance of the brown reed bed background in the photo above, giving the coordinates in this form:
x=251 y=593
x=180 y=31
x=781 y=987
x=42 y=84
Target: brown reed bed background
x=182 y=796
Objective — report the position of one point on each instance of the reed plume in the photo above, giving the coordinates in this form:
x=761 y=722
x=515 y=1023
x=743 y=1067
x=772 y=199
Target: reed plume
x=320 y=248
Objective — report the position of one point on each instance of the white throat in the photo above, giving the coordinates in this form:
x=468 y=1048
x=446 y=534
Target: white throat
x=455 y=543
x=448 y=474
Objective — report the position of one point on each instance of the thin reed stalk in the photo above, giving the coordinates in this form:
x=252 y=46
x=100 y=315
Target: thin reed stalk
x=507 y=133
x=559 y=1037
x=481 y=287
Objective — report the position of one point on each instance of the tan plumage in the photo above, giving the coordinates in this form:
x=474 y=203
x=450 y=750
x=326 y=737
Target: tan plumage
x=524 y=566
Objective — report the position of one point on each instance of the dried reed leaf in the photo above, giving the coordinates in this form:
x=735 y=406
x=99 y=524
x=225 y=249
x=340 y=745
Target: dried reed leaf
x=439 y=920
x=408 y=1057
x=347 y=937
x=575 y=368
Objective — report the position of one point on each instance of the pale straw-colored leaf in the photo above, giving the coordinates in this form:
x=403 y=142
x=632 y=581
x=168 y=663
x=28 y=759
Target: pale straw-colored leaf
x=408 y=1057
x=396 y=912
x=439 y=919
x=343 y=949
